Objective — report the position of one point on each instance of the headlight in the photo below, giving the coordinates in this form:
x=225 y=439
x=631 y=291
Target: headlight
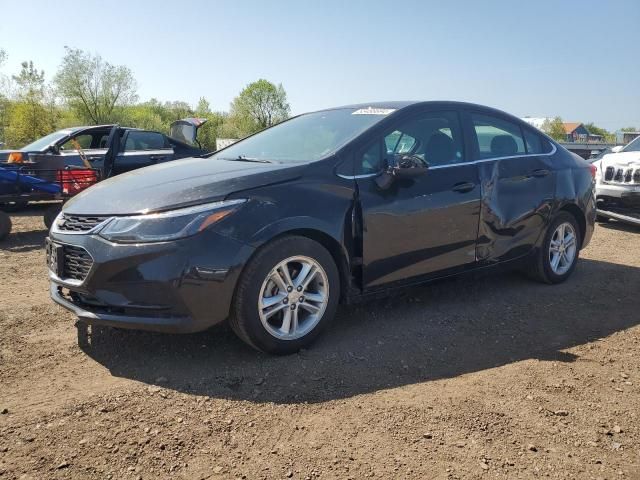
x=161 y=227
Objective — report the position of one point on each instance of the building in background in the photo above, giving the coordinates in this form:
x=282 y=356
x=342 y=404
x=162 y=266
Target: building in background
x=537 y=121
x=622 y=138
x=577 y=132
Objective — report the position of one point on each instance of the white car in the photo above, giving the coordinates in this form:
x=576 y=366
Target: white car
x=618 y=184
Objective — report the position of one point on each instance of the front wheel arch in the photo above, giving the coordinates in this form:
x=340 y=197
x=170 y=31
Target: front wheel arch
x=339 y=253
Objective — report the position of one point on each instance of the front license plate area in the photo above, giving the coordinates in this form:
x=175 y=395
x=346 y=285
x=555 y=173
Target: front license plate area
x=55 y=257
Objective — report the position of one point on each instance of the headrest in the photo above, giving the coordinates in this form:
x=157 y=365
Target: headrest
x=503 y=145
x=439 y=149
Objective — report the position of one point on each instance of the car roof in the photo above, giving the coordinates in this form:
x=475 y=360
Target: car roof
x=399 y=105
x=72 y=130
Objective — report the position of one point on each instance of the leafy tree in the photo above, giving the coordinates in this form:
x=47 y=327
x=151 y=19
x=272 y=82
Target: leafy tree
x=33 y=114
x=595 y=130
x=93 y=88
x=259 y=105
x=629 y=129
x=4 y=101
x=555 y=129
x=208 y=133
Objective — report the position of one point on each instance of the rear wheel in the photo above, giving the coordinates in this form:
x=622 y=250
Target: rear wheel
x=286 y=295
x=557 y=258
x=5 y=225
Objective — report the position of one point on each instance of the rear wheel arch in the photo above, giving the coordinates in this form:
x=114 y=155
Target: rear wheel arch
x=579 y=215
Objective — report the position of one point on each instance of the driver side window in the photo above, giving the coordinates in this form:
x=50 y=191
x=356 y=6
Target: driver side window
x=434 y=136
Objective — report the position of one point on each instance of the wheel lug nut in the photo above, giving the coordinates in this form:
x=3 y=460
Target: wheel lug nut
x=289 y=288
x=285 y=301
x=301 y=299
x=293 y=306
x=299 y=288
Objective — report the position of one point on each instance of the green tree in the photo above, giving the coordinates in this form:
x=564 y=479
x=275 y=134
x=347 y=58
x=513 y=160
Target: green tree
x=4 y=101
x=94 y=88
x=629 y=129
x=554 y=128
x=208 y=133
x=595 y=130
x=259 y=105
x=33 y=114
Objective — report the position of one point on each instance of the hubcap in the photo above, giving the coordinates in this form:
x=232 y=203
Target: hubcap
x=562 y=250
x=293 y=298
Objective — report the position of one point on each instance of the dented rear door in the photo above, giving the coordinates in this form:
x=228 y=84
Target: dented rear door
x=518 y=184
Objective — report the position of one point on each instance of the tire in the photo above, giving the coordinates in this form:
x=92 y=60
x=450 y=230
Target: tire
x=5 y=225
x=541 y=267
x=263 y=325
x=50 y=215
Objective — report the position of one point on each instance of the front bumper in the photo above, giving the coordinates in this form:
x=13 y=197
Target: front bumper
x=621 y=203
x=178 y=287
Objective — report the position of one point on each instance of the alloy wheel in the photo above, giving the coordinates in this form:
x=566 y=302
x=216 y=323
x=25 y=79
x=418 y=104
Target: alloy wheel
x=562 y=249
x=293 y=297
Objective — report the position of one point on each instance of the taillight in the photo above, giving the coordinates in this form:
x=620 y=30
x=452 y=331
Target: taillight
x=15 y=157
x=593 y=169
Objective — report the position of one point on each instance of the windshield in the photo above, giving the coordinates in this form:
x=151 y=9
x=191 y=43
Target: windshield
x=633 y=146
x=308 y=137
x=44 y=142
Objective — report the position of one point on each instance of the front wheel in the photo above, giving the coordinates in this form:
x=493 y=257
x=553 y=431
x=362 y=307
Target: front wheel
x=286 y=295
x=558 y=255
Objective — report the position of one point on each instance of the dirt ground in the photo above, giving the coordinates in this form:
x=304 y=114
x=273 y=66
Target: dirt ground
x=492 y=378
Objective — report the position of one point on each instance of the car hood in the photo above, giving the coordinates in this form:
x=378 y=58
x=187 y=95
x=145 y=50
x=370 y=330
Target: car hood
x=4 y=154
x=622 y=159
x=177 y=184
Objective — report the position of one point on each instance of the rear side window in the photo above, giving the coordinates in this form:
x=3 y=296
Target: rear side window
x=144 y=141
x=536 y=143
x=497 y=137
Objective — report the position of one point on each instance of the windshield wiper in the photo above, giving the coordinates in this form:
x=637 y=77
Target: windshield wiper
x=242 y=158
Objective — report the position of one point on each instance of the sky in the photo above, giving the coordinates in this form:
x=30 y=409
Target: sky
x=575 y=59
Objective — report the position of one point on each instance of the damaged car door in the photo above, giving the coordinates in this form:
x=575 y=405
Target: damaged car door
x=518 y=185
x=418 y=225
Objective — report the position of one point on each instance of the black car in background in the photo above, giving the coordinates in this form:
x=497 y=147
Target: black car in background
x=131 y=148
x=336 y=205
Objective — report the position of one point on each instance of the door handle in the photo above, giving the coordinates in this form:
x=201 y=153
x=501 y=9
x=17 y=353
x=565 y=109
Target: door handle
x=463 y=187
x=541 y=172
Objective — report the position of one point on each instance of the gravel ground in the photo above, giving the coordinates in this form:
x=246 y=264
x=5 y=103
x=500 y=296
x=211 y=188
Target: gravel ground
x=497 y=377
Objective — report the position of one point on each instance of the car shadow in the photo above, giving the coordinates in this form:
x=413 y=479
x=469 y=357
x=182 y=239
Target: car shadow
x=438 y=331
x=25 y=241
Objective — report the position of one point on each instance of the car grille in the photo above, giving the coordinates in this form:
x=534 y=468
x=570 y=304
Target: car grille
x=77 y=263
x=78 y=223
x=621 y=175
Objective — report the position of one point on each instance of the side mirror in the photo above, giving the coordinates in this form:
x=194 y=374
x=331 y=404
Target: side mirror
x=408 y=166
x=401 y=167
x=617 y=149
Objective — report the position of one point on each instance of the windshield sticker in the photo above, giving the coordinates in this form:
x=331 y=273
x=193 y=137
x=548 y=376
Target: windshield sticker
x=374 y=111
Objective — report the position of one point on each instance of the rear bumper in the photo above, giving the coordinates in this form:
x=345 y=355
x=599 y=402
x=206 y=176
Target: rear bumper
x=176 y=287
